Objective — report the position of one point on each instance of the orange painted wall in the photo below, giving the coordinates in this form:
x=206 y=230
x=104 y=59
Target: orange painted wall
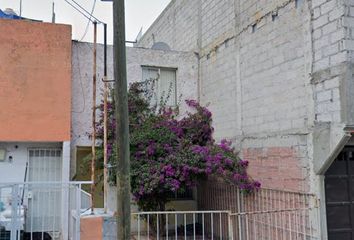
x=35 y=81
x=91 y=228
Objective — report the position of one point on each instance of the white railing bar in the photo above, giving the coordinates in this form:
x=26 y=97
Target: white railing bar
x=138 y=227
x=203 y=225
x=273 y=211
x=220 y=226
x=247 y=236
x=285 y=191
x=176 y=224
x=45 y=183
x=148 y=226
x=194 y=226
x=179 y=212
x=185 y=227
x=158 y=227
x=32 y=217
x=166 y=226
x=212 y=225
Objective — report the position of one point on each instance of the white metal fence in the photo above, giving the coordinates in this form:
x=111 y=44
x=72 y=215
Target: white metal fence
x=50 y=211
x=182 y=225
x=287 y=224
x=266 y=214
x=41 y=210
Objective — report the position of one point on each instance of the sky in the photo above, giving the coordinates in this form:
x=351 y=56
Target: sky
x=139 y=14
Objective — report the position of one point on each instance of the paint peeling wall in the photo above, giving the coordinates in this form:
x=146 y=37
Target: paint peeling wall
x=35 y=81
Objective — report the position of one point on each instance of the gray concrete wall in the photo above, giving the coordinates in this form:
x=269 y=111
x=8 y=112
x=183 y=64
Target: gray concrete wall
x=255 y=62
x=186 y=75
x=177 y=26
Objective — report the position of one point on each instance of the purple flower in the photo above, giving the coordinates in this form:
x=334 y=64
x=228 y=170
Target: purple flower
x=221 y=171
x=244 y=163
x=169 y=171
x=175 y=184
x=228 y=161
x=236 y=177
x=168 y=148
x=217 y=158
x=192 y=103
x=141 y=191
x=225 y=145
x=257 y=185
x=207 y=113
x=200 y=150
x=151 y=149
x=162 y=178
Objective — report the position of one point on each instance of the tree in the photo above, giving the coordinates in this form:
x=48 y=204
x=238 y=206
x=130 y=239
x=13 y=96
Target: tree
x=170 y=153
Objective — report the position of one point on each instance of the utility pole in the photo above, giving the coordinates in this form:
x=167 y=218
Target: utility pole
x=105 y=119
x=53 y=12
x=94 y=80
x=20 y=8
x=122 y=132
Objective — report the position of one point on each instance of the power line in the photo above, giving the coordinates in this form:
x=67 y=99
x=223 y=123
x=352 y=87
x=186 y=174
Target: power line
x=90 y=14
x=88 y=23
x=78 y=10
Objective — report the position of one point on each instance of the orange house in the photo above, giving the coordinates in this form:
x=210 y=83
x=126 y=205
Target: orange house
x=35 y=116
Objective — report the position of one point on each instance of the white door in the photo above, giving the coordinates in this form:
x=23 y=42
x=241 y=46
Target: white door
x=44 y=201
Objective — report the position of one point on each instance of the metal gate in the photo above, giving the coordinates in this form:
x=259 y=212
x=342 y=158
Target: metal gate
x=45 y=165
x=339 y=186
x=17 y=199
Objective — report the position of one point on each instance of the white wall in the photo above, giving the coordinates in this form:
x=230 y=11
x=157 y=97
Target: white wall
x=14 y=171
x=186 y=64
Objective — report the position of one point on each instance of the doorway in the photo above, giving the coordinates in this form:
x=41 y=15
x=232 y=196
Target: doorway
x=44 y=200
x=339 y=188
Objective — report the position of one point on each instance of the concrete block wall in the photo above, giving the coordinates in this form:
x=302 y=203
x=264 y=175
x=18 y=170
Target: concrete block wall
x=330 y=55
x=272 y=70
x=219 y=90
x=255 y=65
x=177 y=26
x=271 y=50
x=217 y=22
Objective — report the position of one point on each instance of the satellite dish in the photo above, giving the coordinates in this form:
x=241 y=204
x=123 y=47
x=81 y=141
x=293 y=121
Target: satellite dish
x=161 y=46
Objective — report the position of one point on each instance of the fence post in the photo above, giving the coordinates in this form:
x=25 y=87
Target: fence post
x=78 y=211
x=231 y=231
x=14 y=211
x=239 y=215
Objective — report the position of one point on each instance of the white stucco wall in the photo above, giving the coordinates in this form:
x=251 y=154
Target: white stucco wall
x=186 y=77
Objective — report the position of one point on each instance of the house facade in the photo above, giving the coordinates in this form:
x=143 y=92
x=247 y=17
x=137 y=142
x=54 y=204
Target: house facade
x=35 y=129
x=35 y=96
x=46 y=94
x=278 y=76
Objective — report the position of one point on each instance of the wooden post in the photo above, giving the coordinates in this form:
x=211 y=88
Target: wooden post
x=93 y=160
x=105 y=119
x=122 y=133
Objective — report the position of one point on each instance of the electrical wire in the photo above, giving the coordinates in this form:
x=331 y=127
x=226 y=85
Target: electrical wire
x=90 y=14
x=78 y=10
x=88 y=23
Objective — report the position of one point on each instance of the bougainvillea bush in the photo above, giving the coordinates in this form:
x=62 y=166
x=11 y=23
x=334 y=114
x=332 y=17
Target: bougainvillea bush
x=170 y=153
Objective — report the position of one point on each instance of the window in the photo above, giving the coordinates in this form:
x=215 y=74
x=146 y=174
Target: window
x=164 y=87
